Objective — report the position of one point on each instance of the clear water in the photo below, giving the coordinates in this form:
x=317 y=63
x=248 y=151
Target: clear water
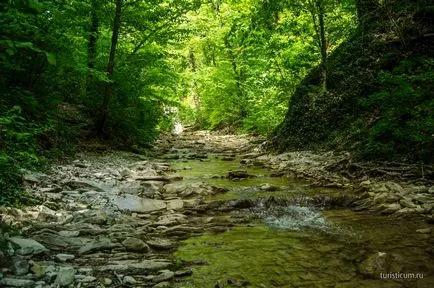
x=294 y=246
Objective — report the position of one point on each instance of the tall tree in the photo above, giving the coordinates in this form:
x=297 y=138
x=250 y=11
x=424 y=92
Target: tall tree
x=108 y=90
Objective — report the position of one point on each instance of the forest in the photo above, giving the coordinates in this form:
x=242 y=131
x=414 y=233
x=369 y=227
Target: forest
x=353 y=75
x=216 y=143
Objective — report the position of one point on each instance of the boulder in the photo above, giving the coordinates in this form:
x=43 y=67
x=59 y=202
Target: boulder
x=65 y=276
x=27 y=246
x=135 y=245
x=137 y=204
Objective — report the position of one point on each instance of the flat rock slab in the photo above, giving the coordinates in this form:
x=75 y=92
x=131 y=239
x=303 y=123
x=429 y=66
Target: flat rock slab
x=89 y=184
x=12 y=282
x=131 y=265
x=96 y=245
x=138 y=204
x=160 y=244
x=27 y=246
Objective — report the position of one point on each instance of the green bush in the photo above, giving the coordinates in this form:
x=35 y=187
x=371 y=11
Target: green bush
x=402 y=112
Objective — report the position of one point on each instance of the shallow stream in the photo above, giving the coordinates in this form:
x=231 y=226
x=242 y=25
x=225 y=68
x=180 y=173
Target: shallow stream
x=298 y=246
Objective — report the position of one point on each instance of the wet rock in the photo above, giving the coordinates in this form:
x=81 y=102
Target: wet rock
x=12 y=282
x=129 y=280
x=27 y=246
x=239 y=174
x=133 y=265
x=405 y=211
x=238 y=282
x=183 y=273
x=379 y=263
x=405 y=202
x=242 y=203
x=391 y=208
x=161 y=244
x=65 y=257
x=33 y=177
x=164 y=275
x=162 y=285
x=424 y=231
x=137 y=204
x=20 y=266
x=135 y=245
x=228 y=158
x=96 y=245
x=65 y=276
x=268 y=187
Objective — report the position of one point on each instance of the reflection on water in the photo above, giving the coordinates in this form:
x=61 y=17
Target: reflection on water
x=296 y=246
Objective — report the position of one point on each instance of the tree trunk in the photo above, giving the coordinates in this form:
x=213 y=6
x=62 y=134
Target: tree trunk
x=237 y=76
x=108 y=90
x=196 y=97
x=323 y=45
x=93 y=38
x=318 y=13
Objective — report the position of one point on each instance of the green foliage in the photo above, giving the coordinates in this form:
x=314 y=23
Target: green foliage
x=379 y=101
x=17 y=151
x=249 y=56
x=404 y=119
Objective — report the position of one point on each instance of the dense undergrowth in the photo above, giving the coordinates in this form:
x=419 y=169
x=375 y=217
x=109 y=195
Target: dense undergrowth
x=82 y=70
x=379 y=100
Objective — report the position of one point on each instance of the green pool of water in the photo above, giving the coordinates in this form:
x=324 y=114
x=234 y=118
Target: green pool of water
x=271 y=257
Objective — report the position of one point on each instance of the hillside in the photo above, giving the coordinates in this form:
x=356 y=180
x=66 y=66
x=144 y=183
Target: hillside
x=379 y=101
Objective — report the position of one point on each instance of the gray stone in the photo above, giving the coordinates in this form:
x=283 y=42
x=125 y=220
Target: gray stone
x=174 y=188
x=162 y=285
x=424 y=231
x=405 y=202
x=132 y=265
x=20 y=266
x=175 y=204
x=161 y=244
x=85 y=270
x=96 y=245
x=65 y=276
x=125 y=172
x=65 y=233
x=33 y=177
x=390 y=208
x=164 y=275
x=129 y=280
x=27 y=246
x=88 y=184
x=87 y=279
x=135 y=245
x=138 y=204
x=108 y=281
x=65 y=257
x=12 y=282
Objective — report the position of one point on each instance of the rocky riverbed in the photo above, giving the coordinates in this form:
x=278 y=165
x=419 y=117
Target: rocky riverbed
x=117 y=219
